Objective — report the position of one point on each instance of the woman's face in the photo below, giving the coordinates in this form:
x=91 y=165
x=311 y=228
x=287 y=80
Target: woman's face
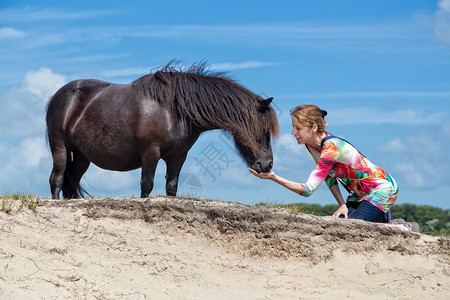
x=302 y=134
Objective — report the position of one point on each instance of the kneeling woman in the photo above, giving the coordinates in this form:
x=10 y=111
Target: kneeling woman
x=372 y=190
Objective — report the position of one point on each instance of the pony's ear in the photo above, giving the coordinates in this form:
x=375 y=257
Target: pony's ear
x=266 y=102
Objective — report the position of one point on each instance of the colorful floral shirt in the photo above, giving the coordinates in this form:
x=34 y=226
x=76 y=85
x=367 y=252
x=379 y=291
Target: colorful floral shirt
x=339 y=159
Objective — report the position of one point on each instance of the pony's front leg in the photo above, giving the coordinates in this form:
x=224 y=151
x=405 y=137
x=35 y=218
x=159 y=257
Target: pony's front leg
x=149 y=164
x=173 y=172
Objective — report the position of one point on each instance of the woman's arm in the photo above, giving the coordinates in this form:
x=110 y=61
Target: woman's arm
x=291 y=185
x=299 y=189
x=342 y=210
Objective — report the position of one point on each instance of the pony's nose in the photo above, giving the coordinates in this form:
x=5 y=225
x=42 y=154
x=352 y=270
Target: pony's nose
x=267 y=167
x=259 y=166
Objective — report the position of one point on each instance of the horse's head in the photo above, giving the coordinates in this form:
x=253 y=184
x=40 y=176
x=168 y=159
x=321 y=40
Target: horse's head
x=263 y=159
x=256 y=149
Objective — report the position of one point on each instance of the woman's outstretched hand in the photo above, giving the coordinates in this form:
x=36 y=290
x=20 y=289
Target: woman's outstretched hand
x=269 y=175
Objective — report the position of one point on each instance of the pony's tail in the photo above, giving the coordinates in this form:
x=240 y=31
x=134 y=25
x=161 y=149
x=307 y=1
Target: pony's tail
x=61 y=153
x=71 y=188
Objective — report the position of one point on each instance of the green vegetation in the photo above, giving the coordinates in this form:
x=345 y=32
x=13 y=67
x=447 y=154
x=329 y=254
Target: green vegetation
x=9 y=201
x=432 y=220
x=164 y=205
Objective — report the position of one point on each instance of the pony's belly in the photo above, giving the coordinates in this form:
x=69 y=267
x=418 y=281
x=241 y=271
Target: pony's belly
x=115 y=157
x=115 y=163
x=110 y=150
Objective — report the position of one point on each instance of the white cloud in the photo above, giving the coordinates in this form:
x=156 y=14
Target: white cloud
x=441 y=20
x=25 y=167
x=238 y=66
x=22 y=108
x=372 y=94
x=444 y=5
x=43 y=82
x=420 y=174
x=420 y=159
x=393 y=146
x=11 y=33
x=29 y=154
x=135 y=71
x=446 y=131
x=287 y=142
x=284 y=32
x=21 y=114
x=96 y=181
x=412 y=175
x=226 y=66
x=29 y=14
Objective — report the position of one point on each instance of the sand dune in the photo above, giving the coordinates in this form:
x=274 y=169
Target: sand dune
x=175 y=248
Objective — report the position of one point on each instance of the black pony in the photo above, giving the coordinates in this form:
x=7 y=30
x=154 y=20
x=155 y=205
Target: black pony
x=123 y=127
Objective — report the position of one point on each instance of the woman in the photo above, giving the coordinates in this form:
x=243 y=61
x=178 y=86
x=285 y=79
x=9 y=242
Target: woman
x=372 y=190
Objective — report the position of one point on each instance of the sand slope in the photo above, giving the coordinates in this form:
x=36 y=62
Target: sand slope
x=174 y=248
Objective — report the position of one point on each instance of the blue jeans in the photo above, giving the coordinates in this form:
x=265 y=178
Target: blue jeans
x=366 y=211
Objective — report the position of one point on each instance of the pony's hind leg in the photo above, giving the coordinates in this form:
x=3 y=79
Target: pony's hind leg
x=74 y=171
x=59 y=166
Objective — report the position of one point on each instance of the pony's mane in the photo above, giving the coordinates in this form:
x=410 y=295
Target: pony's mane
x=210 y=100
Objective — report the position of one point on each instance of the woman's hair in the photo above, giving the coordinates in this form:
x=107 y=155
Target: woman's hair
x=309 y=114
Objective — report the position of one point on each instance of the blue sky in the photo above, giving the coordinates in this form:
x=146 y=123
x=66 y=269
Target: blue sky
x=380 y=68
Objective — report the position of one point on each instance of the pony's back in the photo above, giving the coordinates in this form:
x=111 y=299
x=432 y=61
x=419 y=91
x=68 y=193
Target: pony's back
x=209 y=99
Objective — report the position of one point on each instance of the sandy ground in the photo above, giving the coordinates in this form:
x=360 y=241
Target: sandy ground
x=173 y=248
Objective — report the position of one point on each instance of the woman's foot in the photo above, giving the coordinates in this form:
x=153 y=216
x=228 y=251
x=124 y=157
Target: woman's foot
x=409 y=226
